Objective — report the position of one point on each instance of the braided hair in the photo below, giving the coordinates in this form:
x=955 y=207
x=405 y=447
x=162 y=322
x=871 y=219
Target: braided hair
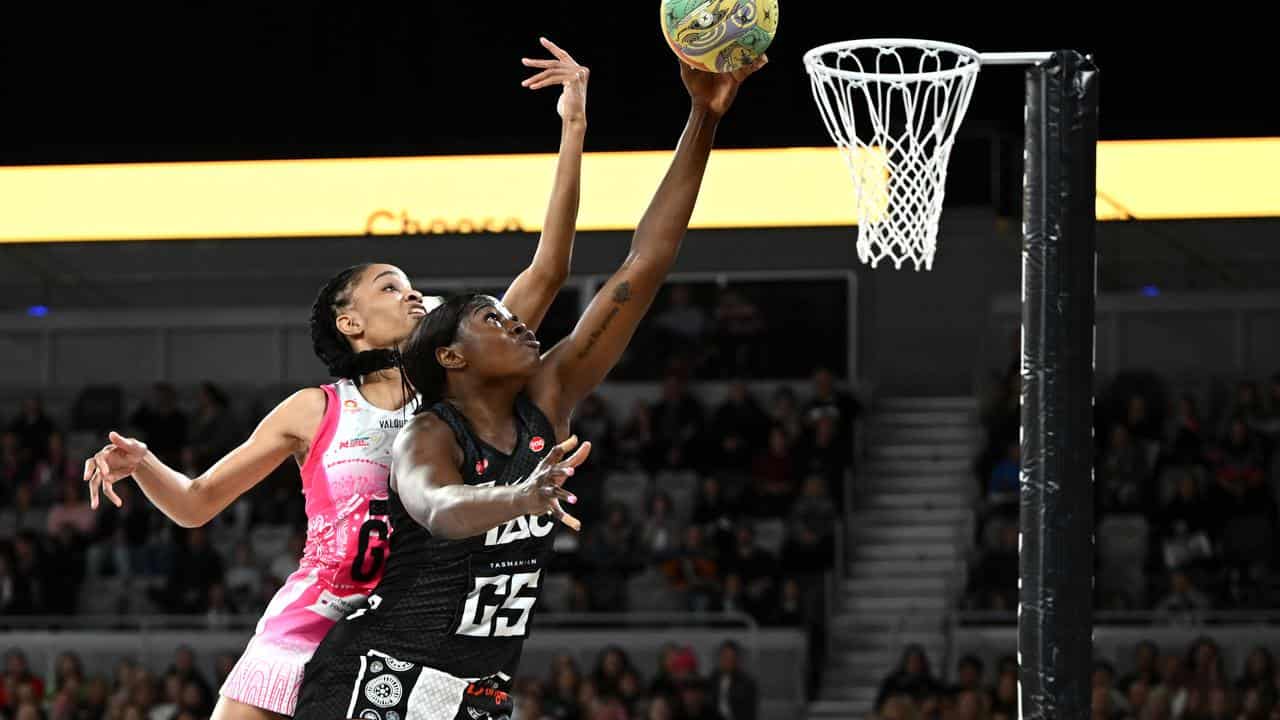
x=418 y=364
x=331 y=346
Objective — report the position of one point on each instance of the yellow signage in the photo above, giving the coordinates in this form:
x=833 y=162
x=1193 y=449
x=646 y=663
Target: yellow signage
x=1189 y=179
x=791 y=187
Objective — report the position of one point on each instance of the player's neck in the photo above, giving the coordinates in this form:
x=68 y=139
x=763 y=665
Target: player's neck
x=384 y=388
x=489 y=407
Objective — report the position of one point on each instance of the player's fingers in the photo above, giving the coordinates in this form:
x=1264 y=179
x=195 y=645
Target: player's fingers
x=94 y=482
x=555 y=493
x=127 y=444
x=541 y=62
x=559 y=451
x=557 y=51
x=537 y=78
x=553 y=77
x=751 y=69
x=556 y=476
x=110 y=492
x=570 y=521
x=580 y=456
x=88 y=469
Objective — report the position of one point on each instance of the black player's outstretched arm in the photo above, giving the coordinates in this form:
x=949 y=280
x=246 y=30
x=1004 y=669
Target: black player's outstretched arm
x=425 y=475
x=579 y=363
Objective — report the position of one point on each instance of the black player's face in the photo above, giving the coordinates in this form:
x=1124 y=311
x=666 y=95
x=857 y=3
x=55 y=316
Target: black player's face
x=496 y=343
x=384 y=308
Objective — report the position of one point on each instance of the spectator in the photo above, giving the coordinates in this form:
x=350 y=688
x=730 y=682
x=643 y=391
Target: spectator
x=830 y=402
x=661 y=532
x=73 y=511
x=611 y=664
x=994 y=582
x=593 y=423
x=17 y=677
x=1240 y=460
x=33 y=428
x=968 y=674
x=1184 y=603
x=693 y=571
x=30 y=590
x=758 y=569
x=733 y=691
x=969 y=706
x=196 y=568
x=630 y=695
x=912 y=677
x=1259 y=671
x=783 y=410
x=64 y=565
x=287 y=563
x=1004 y=696
x=169 y=707
x=161 y=424
x=1247 y=406
x=1186 y=438
x=1270 y=423
x=7 y=585
x=561 y=700
x=23 y=516
x=682 y=326
x=1204 y=661
x=822 y=452
x=1184 y=525
x=224 y=663
x=54 y=472
x=660 y=708
x=610 y=556
x=221 y=611
x=740 y=326
x=1143 y=427
x=244 y=579
x=1122 y=473
x=715 y=514
x=694 y=701
x=1005 y=480
x=677 y=664
x=810 y=546
x=96 y=697
x=636 y=441
x=16 y=470
x=1145 y=657
x=677 y=424
x=214 y=430
x=1104 y=678
x=737 y=429
x=773 y=476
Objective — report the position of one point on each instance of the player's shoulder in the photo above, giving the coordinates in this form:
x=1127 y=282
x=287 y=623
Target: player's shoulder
x=426 y=433
x=300 y=414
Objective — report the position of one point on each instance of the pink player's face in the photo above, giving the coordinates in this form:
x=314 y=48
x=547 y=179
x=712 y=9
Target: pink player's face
x=383 y=311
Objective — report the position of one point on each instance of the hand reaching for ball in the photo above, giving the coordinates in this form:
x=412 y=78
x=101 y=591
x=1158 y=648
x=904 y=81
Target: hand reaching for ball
x=562 y=70
x=716 y=91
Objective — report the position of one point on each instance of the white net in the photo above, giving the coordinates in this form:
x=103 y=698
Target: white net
x=893 y=107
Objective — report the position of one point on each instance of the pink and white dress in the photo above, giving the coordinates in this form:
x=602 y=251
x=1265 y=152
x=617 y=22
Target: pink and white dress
x=345 y=480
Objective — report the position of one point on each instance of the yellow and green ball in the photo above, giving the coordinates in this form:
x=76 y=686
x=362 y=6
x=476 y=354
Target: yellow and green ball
x=719 y=35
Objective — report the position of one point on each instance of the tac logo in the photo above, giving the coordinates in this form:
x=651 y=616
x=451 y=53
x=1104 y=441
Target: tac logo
x=537 y=444
x=350 y=406
x=482 y=465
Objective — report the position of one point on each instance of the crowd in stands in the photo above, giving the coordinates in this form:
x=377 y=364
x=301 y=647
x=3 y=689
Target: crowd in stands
x=1194 y=684
x=677 y=689
x=1185 y=499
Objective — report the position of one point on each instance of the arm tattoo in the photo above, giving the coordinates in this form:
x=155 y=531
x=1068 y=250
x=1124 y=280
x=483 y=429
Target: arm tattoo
x=621 y=295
